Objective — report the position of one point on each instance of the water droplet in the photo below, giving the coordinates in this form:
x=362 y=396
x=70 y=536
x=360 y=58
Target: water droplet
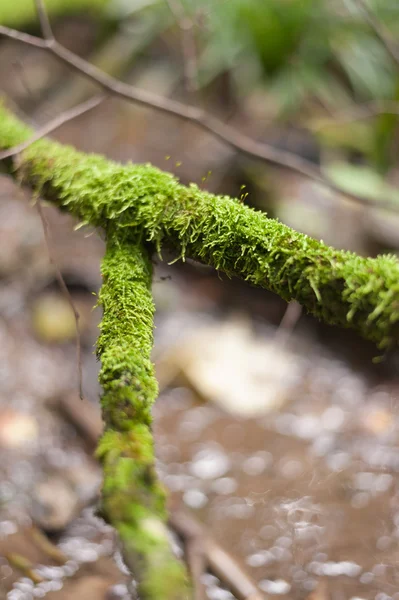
x=224 y=486
x=256 y=464
x=277 y=586
x=195 y=498
x=360 y=500
x=210 y=463
x=366 y=578
x=333 y=418
x=259 y=559
x=291 y=468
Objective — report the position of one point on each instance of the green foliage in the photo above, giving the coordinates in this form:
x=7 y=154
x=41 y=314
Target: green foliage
x=307 y=58
x=18 y=13
x=338 y=287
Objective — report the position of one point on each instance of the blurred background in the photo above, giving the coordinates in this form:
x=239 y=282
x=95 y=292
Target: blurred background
x=279 y=433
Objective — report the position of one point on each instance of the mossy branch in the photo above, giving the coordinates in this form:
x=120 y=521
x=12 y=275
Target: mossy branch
x=338 y=287
x=133 y=500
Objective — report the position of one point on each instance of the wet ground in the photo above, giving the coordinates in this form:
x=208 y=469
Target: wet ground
x=288 y=451
x=286 y=444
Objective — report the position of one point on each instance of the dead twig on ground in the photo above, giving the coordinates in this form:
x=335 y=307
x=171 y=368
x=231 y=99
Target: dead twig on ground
x=201 y=549
x=218 y=560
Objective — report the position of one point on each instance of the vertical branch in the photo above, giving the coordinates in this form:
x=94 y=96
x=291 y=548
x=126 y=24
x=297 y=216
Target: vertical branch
x=189 y=49
x=66 y=292
x=133 y=500
x=44 y=21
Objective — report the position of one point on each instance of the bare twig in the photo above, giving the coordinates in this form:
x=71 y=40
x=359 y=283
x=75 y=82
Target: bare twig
x=218 y=560
x=44 y=20
x=19 y=67
x=25 y=38
x=54 y=124
x=84 y=416
x=356 y=112
x=189 y=50
x=290 y=318
x=23 y=564
x=196 y=561
x=202 y=550
x=379 y=31
x=196 y=116
x=64 y=288
x=46 y=545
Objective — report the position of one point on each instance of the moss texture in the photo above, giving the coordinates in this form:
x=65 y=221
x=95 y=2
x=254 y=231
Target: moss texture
x=19 y=13
x=338 y=287
x=133 y=500
x=139 y=206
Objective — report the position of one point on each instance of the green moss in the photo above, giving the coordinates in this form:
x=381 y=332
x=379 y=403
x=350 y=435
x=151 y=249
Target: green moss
x=338 y=287
x=133 y=500
x=18 y=13
x=139 y=205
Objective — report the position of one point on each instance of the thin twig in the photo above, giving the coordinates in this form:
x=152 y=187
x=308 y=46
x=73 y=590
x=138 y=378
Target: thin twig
x=54 y=124
x=26 y=38
x=356 y=112
x=196 y=561
x=196 y=116
x=44 y=20
x=219 y=561
x=379 y=30
x=23 y=564
x=189 y=50
x=290 y=318
x=200 y=545
x=19 y=67
x=66 y=292
x=46 y=545
x=85 y=416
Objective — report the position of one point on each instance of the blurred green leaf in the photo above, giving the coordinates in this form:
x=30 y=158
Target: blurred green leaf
x=361 y=180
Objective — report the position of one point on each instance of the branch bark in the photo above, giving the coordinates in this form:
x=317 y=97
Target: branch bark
x=338 y=287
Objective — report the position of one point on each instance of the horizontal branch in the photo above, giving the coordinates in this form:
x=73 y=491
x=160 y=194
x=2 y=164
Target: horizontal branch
x=338 y=287
x=194 y=115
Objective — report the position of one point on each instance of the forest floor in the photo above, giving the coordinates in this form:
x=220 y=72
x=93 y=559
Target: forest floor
x=283 y=441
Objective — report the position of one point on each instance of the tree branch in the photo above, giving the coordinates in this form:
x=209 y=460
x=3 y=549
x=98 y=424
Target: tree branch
x=194 y=115
x=44 y=20
x=210 y=554
x=189 y=50
x=338 y=287
x=66 y=292
x=54 y=124
x=219 y=561
x=133 y=500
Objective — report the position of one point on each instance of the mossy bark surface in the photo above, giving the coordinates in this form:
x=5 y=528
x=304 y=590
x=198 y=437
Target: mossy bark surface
x=133 y=500
x=140 y=208
x=338 y=287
